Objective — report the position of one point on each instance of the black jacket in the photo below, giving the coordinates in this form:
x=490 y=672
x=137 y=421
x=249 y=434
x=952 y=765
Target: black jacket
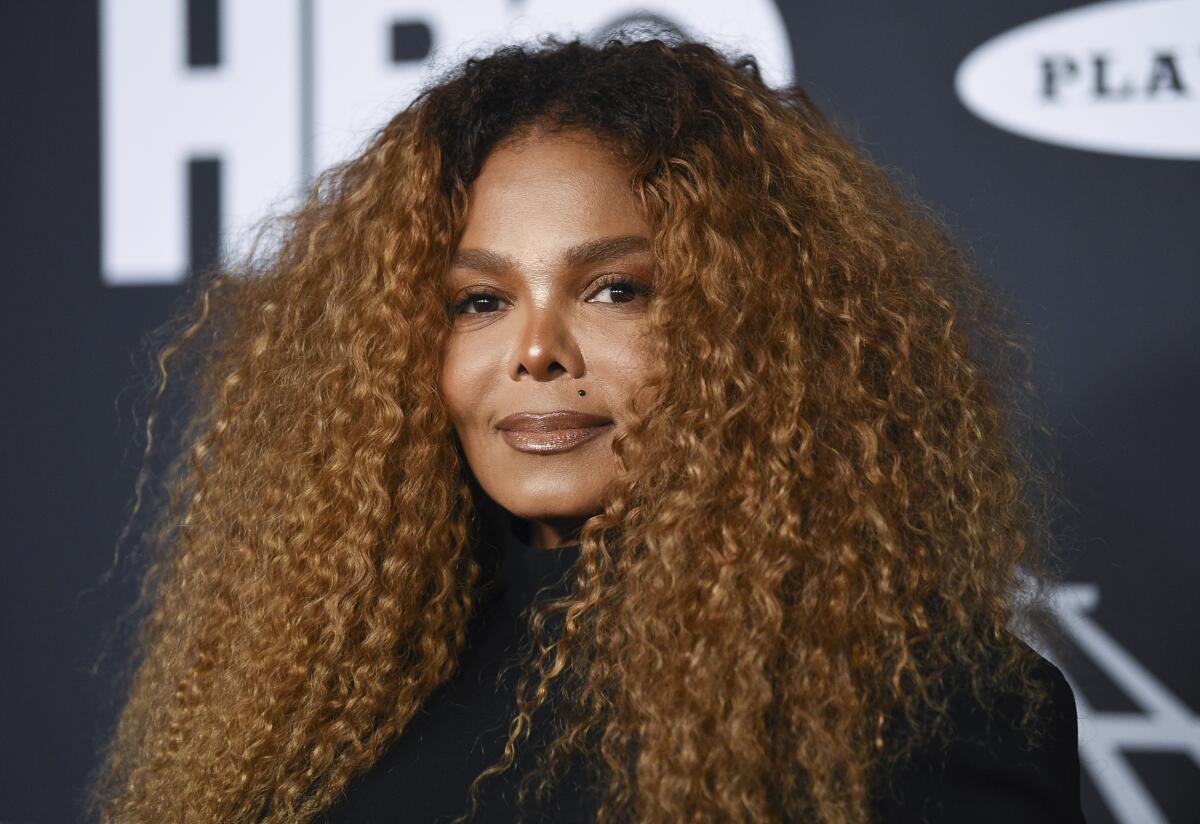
x=985 y=774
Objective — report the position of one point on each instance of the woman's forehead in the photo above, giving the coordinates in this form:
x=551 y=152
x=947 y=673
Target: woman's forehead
x=539 y=199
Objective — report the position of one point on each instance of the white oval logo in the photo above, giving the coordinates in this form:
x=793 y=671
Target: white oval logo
x=1121 y=77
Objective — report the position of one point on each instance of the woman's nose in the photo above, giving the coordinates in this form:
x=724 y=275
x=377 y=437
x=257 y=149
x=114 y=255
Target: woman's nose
x=546 y=345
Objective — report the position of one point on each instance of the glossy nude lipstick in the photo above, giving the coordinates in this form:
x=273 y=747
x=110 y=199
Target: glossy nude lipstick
x=549 y=432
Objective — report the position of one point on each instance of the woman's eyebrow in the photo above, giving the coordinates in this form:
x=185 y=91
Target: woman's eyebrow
x=588 y=253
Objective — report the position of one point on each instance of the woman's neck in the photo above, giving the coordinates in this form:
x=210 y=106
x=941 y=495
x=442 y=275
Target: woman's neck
x=551 y=533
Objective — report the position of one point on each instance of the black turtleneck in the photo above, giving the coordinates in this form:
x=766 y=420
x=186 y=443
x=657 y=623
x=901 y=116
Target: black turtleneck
x=461 y=728
x=985 y=775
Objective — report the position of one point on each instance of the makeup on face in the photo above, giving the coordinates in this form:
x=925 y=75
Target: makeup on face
x=548 y=293
x=549 y=432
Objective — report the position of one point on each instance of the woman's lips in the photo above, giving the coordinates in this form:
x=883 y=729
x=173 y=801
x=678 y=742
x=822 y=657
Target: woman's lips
x=553 y=440
x=555 y=431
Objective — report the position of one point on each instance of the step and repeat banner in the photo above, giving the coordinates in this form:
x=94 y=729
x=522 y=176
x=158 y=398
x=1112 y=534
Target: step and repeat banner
x=1060 y=141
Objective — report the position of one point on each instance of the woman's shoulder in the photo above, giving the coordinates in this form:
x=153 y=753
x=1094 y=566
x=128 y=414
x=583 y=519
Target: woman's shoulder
x=989 y=771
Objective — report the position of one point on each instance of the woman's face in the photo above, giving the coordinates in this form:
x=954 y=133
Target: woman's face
x=550 y=286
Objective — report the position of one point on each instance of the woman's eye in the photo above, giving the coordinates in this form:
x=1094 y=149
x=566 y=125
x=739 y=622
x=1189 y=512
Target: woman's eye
x=630 y=289
x=472 y=301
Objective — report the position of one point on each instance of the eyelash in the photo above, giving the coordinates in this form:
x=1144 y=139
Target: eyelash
x=636 y=287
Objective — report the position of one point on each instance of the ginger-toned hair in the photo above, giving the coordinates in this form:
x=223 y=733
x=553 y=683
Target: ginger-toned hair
x=825 y=505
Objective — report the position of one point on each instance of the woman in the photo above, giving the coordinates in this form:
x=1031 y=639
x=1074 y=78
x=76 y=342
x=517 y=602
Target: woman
x=760 y=565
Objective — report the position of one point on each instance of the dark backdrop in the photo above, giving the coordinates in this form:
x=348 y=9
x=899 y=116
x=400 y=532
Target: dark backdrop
x=1098 y=251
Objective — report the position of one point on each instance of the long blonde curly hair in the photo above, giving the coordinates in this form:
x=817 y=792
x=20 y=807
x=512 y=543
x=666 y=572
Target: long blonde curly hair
x=826 y=501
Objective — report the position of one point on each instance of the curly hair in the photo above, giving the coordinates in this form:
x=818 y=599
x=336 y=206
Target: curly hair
x=826 y=503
